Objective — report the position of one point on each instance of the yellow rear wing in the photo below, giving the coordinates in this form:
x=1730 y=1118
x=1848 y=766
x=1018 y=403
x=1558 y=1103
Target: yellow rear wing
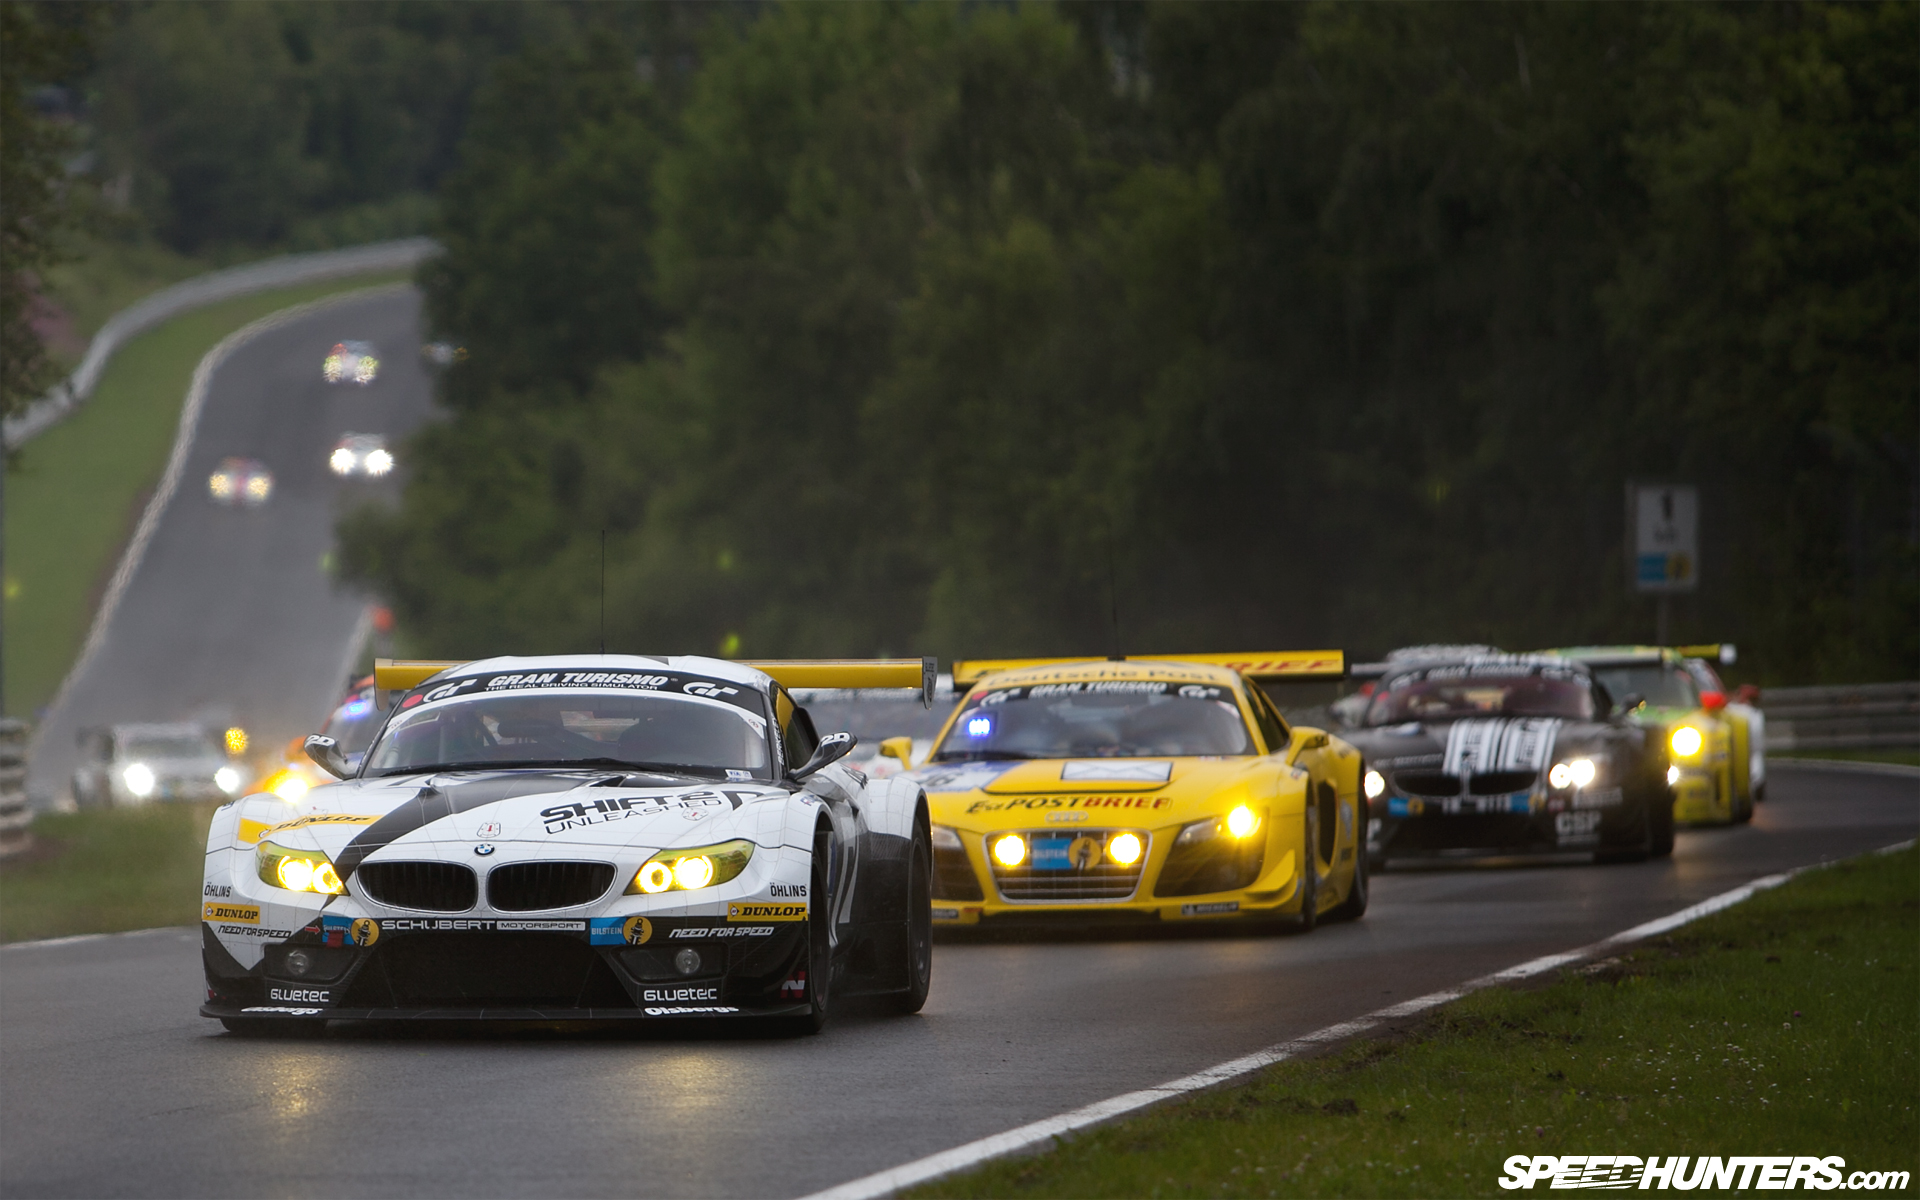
x=1277 y=665
x=1720 y=652
x=791 y=673
x=400 y=674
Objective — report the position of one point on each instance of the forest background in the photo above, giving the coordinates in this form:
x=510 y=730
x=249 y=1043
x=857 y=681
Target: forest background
x=991 y=329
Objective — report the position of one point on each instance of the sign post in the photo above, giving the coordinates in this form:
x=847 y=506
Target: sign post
x=1663 y=521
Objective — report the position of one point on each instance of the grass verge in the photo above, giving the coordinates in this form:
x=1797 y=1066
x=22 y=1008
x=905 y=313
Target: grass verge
x=106 y=870
x=1783 y=1026
x=74 y=493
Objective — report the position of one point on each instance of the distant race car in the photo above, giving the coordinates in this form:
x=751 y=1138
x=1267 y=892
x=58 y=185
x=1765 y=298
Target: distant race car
x=577 y=838
x=124 y=765
x=240 y=483
x=351 y=725
x=1152 y=788
x=1508 y=753
x=351 y=362
x=361 y=454
x=1718 y=745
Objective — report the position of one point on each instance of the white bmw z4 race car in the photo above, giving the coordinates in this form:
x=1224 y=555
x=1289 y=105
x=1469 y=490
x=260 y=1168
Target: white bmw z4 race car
x=577 y=838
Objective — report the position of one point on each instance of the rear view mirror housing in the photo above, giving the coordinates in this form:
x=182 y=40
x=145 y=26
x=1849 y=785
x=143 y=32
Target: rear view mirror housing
x=325 y=753
x=832 y=748
x=900 y=748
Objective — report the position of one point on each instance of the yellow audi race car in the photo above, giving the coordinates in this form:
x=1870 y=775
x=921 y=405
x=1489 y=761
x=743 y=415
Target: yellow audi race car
x=1718 y=748
x=1159 y=789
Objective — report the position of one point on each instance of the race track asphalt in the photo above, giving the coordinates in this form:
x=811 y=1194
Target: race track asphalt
x=231 y=616
x=113 y=1086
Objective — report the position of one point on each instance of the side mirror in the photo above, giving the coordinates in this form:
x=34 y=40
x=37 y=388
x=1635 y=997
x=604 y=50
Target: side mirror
x=1713 y=701
x=325 y=752
x=832 y=748
x=900 y=748
x=1631 y=701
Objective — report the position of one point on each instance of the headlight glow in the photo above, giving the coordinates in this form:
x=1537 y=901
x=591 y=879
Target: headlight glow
x=236 y=740
x=1583 y=771
x=258 y=486
x=342 y=461
x=1241 y=822
x=1686 y=741
x=288 y=784
x=1376 y=785
x=139 y=779
x=297 y=870
x=379 y=462
x=1673 y=776
x=227 y=780
x=1125 y=849
x=1010 y=850
x=691 y=869
x=220 y=484
x=1561 y=776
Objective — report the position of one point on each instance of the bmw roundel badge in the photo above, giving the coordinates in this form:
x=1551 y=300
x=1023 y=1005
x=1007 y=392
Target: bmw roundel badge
x=483 y=849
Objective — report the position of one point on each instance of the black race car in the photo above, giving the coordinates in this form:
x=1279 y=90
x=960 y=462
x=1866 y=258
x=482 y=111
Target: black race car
x=1504 y=753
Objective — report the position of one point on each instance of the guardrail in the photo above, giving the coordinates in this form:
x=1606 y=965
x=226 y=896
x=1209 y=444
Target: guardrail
x=285 y=271
x=15 y=815
x=1857 y=716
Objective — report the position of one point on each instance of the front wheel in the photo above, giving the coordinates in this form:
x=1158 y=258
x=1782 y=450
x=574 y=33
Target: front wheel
x=819 y=956
x=919 y=951
x=1310 y=871
x=1355 y=905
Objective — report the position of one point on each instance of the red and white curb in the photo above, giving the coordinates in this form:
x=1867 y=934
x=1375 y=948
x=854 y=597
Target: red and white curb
x=1013 y=1141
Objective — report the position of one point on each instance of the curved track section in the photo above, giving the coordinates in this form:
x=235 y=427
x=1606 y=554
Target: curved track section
x=231 y=616
x=115 y=1087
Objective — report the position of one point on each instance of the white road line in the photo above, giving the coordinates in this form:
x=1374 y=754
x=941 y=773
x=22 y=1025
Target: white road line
x=77 y=938
x=960 y=1158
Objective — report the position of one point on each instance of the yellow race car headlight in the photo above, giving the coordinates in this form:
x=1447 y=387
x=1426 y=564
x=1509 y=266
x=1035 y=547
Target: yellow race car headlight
x=1125 y=848
x=1240 y=823
x=1687 y=741
x=691 y=870
x=1375 y=785
x=1010 y=850
x=297 y=870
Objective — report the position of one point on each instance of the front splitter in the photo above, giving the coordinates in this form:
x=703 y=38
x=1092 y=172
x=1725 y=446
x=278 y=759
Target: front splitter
x=658 y=1012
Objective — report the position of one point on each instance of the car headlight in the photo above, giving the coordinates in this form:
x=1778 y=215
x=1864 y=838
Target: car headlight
x=1578 y=772
x=297 y=870
x=227 y=780
x=379 y=462
x=1673 y=776
x=1125 y=848
x=690 y=870
x=1240 y=824
x=341 y=461
x=1375 y=784
x=1010 y=850
x=288 y=784
x=139 y=779
x=1686 y=741
x=944 y=838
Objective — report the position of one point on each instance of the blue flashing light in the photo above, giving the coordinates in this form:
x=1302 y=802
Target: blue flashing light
x=979 y=727
x=355 y=709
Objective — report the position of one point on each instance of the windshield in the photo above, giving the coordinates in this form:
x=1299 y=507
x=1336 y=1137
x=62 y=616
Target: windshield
x=1449 y=693
x=1104 y=719
x=354 y=723
x=1660 y=685
x=592 y=729
x=167 y=747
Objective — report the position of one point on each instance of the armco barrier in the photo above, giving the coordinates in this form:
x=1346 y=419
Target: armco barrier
x=287 y=271
x=1857 y=716
x=15 y=815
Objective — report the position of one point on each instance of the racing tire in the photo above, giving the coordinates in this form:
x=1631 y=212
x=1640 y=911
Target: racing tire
x=1355 y=905
x=1660 y=824
x=1309 y=872
x=273 y=1027
x=1742 y=808
x=919 y=953
x=819 y=944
